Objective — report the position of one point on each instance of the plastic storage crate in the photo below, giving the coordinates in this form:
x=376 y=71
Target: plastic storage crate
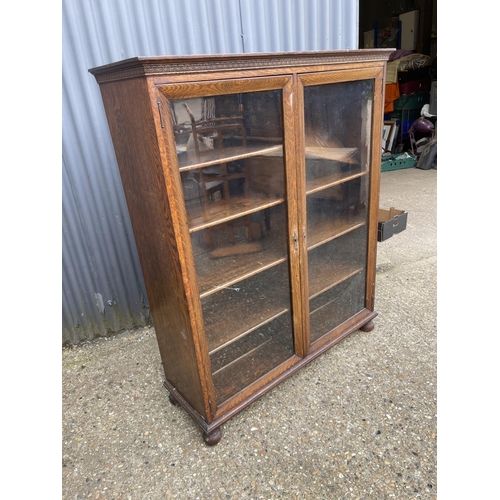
x=412 y=101
x=397 y=162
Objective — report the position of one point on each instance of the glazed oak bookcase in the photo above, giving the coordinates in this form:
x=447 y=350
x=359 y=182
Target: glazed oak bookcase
x=252 y=183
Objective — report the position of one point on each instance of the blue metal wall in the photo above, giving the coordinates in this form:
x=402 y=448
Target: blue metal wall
x=103 y=288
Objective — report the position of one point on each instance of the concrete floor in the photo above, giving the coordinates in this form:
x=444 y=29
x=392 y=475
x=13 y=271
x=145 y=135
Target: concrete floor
x=357 y=423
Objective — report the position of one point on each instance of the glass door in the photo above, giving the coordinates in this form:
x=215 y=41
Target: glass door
x=337 y=120
x=231 y=158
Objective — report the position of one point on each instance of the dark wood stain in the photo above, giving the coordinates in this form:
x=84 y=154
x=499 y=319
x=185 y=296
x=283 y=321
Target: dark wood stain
x=221 y=351
x=141 y=168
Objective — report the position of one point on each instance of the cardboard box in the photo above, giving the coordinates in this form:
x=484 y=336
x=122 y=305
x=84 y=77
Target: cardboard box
x=390 y=222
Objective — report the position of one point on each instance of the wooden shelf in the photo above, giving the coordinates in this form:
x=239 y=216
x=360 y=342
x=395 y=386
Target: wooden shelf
x=324 y=231
x=324 y=276
x=336 y=261
x=251 y=366
x=216 y=275
x=235 y=312
x=228 y=340
x=337 y=305
x=252 y=357
x=324 y=318
x=327 y=181
x=342 y=155
x=217 y=212
x=215 y=156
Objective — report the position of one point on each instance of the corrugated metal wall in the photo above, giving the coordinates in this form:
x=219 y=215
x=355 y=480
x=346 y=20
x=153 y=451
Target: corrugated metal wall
x=103 y=288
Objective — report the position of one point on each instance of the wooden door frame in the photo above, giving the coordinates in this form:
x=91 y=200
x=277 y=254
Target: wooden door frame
x=286 y=84
x=324 y=78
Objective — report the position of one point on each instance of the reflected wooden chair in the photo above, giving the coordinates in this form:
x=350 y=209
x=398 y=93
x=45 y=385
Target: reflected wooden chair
x=207 y=143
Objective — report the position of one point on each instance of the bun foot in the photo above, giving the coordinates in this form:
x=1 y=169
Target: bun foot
x=368 y=327
x=172 y=399
x=212 y=438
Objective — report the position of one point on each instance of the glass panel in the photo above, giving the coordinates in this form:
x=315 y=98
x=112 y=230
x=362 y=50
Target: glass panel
x=221 y=262
x=337 y=305
x=329 y=214
x=255 y=352
x=209 y=130
x=337 y=150
x=230 y=156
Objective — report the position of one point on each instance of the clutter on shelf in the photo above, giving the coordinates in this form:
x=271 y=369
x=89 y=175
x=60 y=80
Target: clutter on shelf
x=410 y=81
x=407 y=73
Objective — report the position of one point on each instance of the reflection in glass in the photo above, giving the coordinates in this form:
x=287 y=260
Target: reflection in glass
x=336 y=305
x=230 y=157
x=252 y=356
x=338 y=122
x=223 y=253
x=221 y=128
x=337 y=138
x=336 y=260
x=331 y=213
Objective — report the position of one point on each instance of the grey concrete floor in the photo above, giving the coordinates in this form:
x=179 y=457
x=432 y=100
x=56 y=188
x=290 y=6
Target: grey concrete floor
x=357 y=423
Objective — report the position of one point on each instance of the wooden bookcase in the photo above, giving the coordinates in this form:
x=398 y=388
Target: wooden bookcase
x=252 y=183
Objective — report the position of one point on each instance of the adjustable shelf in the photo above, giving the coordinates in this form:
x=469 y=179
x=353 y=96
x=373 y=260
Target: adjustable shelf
x=336 y=305
x=334 y=179
x=202 y=216
x=245 y=361
x=236 y=311
x=225 y=155
x=323 y=231
x=341 y=155
x=335 y=261
x=322 y=278
x=218 y=275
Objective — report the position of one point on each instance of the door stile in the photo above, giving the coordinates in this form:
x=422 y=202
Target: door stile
x=375 y=162
x=325 y=78
x=292 y=179
x=302 y=213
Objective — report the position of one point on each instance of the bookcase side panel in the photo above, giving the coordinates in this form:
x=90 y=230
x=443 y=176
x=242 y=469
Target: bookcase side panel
x=132 y=128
